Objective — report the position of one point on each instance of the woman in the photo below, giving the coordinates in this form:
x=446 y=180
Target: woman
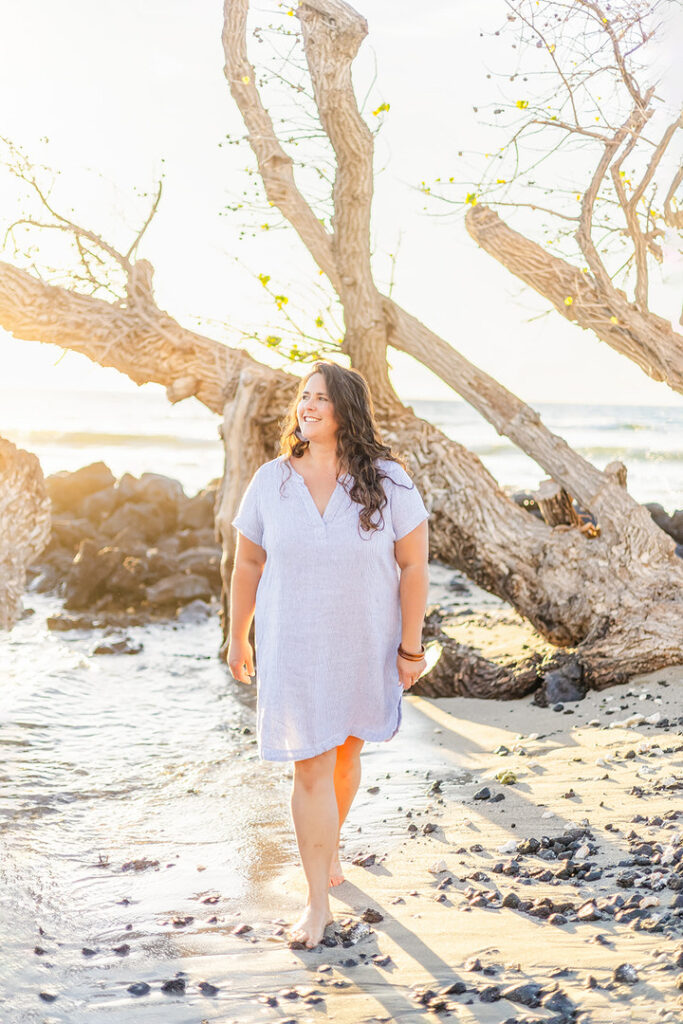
x=331 y=558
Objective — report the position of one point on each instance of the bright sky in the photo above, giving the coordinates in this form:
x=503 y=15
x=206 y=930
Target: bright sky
x=125 y=90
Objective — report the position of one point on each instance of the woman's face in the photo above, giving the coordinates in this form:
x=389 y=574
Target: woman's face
x=315 y=411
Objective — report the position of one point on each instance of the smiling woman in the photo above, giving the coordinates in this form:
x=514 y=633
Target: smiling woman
x=332 y=562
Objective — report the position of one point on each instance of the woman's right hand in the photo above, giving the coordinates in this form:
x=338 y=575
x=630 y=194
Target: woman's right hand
x=240 y=660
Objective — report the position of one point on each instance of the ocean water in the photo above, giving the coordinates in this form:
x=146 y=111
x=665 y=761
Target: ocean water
x=140 y=431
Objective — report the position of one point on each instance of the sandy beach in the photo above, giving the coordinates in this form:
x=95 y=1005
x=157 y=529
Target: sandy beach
x=451 y=905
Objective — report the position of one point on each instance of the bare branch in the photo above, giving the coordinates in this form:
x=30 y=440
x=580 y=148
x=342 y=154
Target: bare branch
x=155 y=206
x=673 y=218
x=275 y=167
x=632 y=125
x=640 y=101
x=575 y=129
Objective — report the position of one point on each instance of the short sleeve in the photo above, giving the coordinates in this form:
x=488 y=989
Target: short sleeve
x=407 y=507
x=249 y=519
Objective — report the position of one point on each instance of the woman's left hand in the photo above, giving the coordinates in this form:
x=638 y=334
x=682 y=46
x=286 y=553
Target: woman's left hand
x=409 y=671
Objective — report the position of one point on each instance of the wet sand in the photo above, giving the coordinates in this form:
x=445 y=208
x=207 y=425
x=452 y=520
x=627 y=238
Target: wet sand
x=417 y=820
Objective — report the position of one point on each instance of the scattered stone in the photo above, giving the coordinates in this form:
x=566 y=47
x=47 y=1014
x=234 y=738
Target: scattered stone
x=528 y=994
x=456 y=988
x=372 y=916
x=123 y=646
x=564 y=684
x=139 y=988
x=206 y=988
x=625 y=973
x=483 y=794
x=490 y=994
x=241 y=929
x=560 y=1003
x=174 y=985
x=365 y=860
x=588 y=912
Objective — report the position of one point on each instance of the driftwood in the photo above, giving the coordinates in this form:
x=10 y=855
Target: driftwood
x=24 y=525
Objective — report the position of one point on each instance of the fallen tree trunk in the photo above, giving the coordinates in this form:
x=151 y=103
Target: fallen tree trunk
x=24 y=525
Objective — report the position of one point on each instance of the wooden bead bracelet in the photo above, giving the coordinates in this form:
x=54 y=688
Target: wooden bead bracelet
x=411 y=657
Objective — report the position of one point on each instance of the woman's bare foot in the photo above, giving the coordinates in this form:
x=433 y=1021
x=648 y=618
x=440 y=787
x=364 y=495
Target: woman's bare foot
x=310 y=927
x=336 y=873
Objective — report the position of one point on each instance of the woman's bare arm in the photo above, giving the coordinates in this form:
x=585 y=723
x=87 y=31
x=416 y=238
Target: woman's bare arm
x=412 y=554
x=250 y=559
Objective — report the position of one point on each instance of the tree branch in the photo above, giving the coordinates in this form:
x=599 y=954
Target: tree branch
x=275 y=167
x=642 y=336
x=640 y=101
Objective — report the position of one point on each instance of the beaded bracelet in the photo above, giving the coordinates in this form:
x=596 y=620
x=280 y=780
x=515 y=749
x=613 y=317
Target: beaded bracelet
x=412 y=657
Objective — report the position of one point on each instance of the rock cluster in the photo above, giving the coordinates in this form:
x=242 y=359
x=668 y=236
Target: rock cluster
x=138 y=547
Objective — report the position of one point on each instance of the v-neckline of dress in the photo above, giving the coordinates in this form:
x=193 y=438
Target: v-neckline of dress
x=325 y=516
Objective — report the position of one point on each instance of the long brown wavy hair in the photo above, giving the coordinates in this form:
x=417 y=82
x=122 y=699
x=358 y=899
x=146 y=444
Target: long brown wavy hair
x=359 y=442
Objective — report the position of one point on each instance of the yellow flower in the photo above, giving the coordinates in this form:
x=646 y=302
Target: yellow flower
x=246 y=79
x=568 y=301
x=613 y=320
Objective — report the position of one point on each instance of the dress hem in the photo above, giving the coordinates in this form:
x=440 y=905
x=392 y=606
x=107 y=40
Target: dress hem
x=301 y=755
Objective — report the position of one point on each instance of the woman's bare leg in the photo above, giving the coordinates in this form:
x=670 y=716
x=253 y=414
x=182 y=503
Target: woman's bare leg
x=316 y=823
x=347 y=773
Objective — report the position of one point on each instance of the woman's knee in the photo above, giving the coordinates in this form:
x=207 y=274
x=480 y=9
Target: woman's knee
x=348 y=755
x=312 y=772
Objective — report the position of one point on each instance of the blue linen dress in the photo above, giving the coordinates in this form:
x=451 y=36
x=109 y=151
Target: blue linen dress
x=327 y=620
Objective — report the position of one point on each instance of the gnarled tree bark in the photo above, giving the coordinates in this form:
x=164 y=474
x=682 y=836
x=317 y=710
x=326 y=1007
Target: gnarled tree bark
x=24 y=525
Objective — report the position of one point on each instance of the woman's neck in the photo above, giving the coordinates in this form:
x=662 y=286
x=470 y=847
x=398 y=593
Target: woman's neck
x=323 y=457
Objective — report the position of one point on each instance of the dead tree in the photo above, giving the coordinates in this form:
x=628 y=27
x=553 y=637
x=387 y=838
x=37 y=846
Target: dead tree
x=616 y=599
